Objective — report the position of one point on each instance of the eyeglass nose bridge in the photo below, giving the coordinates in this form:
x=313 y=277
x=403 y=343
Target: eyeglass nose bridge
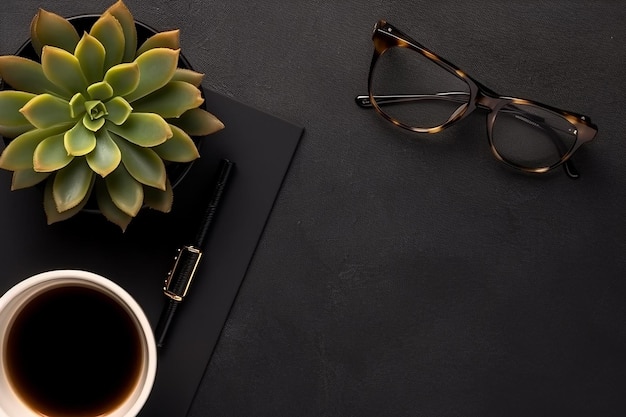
x=488 y=101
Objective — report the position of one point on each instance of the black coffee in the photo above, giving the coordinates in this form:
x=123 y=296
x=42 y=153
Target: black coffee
x=72 y=351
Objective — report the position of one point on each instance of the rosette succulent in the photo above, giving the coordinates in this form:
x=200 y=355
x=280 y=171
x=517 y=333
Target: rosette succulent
x=99 y=116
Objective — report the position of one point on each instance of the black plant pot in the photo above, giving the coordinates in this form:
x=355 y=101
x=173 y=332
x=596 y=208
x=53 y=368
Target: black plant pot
x=176 y=171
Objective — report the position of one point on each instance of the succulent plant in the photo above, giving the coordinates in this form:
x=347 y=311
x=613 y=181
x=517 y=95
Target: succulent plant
x=99 y=114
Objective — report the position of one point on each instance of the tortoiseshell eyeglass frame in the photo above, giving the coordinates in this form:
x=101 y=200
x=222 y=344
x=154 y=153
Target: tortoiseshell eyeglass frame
x=386 y=36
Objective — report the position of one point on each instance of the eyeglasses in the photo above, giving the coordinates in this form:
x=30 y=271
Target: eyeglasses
x=417 y=90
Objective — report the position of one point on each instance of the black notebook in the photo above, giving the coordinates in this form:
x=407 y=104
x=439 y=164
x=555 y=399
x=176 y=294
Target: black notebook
x=262 y=147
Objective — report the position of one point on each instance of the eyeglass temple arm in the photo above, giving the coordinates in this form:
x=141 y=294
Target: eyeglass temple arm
x=461 y=97
x=365 y=102
x=456 y=96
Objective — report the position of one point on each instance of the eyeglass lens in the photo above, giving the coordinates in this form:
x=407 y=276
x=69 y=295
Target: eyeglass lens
x=423 y=86
x=530 y=136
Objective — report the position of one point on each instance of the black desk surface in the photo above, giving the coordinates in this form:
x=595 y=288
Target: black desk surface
x=405 y=275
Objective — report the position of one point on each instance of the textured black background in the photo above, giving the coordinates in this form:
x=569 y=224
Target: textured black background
x=405 y=275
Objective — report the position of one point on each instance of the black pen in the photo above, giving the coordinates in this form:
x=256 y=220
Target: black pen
x=188 y=258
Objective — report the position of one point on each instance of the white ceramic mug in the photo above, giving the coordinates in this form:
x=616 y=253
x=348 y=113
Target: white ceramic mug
x=18 y=299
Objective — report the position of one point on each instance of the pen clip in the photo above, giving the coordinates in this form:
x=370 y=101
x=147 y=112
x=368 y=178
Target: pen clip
x=180 y=277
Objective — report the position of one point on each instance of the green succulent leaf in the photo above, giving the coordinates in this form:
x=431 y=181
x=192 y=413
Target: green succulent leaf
x=143 y=129
x=50 y=155
x=18 y=154
x=124 y=78
x=77 y=105
x=127 y=21
x=178 y=148
x=46 y=110
x=198 y=122
x=188 y=76
x=109 y=209
x=26 y=75
x=72 y=184
x=110 y=33
x=156 y=67
x=52 y=213
x=142 y=163
x=79 y=140
x=12 y=122
x=51 y=29
x=25 y=178
x=119 y=110
x=12 y=102
x=126 y=192
x=175 y=98
x=100 y=91
x=169 y=39
x=93 y=124
x=34 y=38
x=63 y=69
x=12 y=132
x=90 y=54
x=160 y=200
x=106 y=156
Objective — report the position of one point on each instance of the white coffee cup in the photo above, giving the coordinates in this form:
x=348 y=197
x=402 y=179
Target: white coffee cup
x=20 y=297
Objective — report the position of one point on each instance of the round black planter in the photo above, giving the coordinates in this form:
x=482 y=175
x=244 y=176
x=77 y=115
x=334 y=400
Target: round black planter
x=176 y=171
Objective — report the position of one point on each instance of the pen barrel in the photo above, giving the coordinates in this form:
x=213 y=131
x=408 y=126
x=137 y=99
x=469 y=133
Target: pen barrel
x=165 y=322
x=225 y=169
